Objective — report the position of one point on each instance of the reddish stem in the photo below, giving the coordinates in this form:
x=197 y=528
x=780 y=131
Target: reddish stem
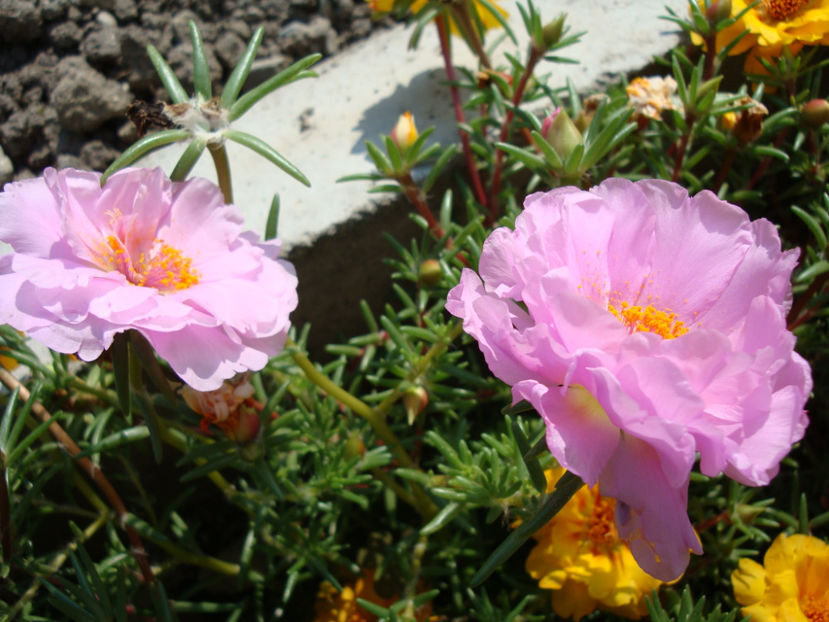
x=764 y=165
x=728 y=162
x=710 y=55
x=536 y=55
x=683 y=147
x=419 y=201
x=799 y=312
x=477 y=186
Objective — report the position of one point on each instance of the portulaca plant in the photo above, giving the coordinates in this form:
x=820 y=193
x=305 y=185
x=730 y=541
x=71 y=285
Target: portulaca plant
x=595 y=391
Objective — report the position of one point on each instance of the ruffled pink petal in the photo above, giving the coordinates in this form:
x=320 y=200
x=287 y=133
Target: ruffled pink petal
x=650 y=513
x=226 y=300
x=31 y=221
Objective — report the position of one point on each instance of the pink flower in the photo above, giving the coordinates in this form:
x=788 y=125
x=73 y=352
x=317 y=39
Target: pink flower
x=651 y=326
x=169 y=260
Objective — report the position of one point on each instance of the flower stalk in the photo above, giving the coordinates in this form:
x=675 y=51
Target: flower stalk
x=446 y=51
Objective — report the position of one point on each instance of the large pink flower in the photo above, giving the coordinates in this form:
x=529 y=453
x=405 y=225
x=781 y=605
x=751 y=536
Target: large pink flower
x=651 y=327
x=169 y=260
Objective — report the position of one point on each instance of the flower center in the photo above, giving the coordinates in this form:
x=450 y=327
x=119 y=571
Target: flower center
x=162 y=266
x=816 y=609
x=649 y=319
x=601 y=528
x=782 y=9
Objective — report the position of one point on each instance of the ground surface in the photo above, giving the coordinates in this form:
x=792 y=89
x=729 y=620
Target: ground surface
x=70 y=68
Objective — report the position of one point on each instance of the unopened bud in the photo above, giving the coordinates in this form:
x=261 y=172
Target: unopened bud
x=553 y=30
x=718 y=11
x=404 y=133
x=561 y=133
x=354 y=446
x=429 y=273
x=414 y=401
x=245 y=428
x=815 y=113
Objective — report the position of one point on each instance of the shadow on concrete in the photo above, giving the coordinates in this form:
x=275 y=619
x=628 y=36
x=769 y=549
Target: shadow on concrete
x=426 y=96
x=344 y=267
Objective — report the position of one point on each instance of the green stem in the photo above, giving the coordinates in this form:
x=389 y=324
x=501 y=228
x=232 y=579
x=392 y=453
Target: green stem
x=58 y=561
x=420 y=501
x=219 y=155
x=362 y=409
x=176 y=439
x=420 y=367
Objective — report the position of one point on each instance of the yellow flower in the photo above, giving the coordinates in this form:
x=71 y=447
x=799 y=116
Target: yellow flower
x=487 y=19
x=772 y=24
x=580 y=556
x=792 y=585
x=334 y=606
x=6 y=361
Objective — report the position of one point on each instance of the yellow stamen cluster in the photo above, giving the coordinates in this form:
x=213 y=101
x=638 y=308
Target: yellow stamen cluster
x=164 y=268
x=601 y=529
x=648 y=319
x=816 y=609
x=782 y=9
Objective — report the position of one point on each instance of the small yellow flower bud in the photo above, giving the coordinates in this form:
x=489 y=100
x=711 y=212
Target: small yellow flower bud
x=815 y=113
x=728 y=120
x=429 y=273
x=354 y=446
x=404 y=132
x=415 y=401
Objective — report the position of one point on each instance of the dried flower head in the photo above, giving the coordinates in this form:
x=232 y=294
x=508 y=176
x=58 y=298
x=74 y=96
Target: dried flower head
x=649 y=97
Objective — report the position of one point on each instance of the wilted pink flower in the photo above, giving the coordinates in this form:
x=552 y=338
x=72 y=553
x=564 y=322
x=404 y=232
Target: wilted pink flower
x=169 y=260
x=651 y=327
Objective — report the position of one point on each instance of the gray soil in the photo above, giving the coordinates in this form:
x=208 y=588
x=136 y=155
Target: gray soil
x=69 y=69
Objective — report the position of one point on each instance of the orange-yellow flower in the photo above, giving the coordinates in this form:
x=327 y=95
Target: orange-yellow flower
x=487 y=19
x=334 y=606
x=580 y=556
x=773 y=24
x=792 y=585
x=6 y=361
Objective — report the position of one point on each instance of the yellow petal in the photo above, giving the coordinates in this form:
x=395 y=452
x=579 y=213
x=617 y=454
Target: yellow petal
x=749 y=581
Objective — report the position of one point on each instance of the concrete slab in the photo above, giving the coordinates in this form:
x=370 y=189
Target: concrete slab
x=321 y=125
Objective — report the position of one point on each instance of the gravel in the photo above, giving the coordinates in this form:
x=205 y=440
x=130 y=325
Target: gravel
x=71 y=68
